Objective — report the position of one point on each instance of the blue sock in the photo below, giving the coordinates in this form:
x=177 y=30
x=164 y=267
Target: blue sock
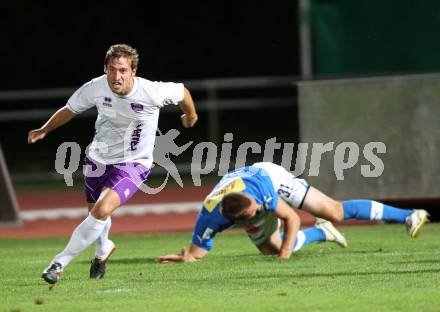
x=307 y=236
x=313 y=234
x=371 y=210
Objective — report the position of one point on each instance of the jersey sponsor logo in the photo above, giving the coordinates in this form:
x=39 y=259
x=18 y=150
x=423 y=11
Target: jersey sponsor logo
x=107 y=101
x=137 y=107
x=136 y=137
x=216 y=196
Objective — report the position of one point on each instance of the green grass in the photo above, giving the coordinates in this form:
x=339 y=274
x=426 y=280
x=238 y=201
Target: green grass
x=381 y=270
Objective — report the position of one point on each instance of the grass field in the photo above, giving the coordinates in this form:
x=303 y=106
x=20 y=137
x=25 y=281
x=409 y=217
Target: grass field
x=381 y=270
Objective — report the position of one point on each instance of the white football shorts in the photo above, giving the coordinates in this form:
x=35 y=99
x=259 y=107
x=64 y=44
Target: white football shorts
x=291 y=189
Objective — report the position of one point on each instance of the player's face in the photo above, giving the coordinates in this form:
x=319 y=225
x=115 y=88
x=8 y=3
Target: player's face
x=120 y=75
x=251 y=210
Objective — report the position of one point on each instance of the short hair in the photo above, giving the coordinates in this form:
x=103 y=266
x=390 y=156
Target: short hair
x=233 y=205
x=122 y=50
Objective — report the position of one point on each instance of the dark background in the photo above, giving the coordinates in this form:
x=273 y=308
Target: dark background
x=52 y=44
x=56 y=44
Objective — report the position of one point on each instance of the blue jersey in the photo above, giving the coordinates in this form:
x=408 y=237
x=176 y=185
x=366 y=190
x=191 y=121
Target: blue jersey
x=252 y=181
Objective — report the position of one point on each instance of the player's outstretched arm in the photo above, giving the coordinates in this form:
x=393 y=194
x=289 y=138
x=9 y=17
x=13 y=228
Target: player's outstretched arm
x=189 y=117
x=191 y=254
x=292 y=224
x=59 y=118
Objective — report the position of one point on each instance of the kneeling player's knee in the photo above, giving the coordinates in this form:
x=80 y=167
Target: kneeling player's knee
x=269 y=253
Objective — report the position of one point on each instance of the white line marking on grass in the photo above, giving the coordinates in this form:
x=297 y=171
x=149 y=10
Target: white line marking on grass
x=112 y=291
x=134 y=210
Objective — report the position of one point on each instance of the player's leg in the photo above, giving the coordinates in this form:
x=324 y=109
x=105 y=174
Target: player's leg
x=103 y=243
x=104 y=246
x=84 y=235
x=321 y=205
x=331 y=234
x=369 y=209
x=103 y=208
x=272 y=244
x=125 y=180
x=297 y=193
x=324 y=232
x=266 y=236
x=97 y=176
x=89 y=230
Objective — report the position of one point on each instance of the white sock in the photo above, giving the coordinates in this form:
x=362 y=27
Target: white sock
x=103 y=244
x=299 y=242
x=82 y=237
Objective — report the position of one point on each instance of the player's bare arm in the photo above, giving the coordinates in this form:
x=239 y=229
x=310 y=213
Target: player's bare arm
x=292 y=224
x=59 y=118
x=189 y=117
x=191 y=254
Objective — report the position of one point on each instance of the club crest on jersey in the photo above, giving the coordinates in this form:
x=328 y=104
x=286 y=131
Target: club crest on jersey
x=137 y=107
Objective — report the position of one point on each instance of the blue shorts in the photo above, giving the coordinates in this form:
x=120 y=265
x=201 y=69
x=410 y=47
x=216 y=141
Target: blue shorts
x=123 y=178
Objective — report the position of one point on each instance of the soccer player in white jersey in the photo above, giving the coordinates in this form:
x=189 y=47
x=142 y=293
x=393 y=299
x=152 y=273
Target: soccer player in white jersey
x=258 y=196
x=121 y=154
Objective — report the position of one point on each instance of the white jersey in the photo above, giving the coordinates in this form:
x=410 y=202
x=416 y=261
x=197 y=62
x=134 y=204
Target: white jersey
x=126 y=125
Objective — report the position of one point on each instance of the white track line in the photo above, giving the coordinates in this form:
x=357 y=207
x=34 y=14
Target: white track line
x=136 y=210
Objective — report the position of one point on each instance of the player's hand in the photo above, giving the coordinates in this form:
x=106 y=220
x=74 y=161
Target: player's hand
x=35 y=135
x=184 y=256
x=173 y=258
x=284 y=255
x=189 y=120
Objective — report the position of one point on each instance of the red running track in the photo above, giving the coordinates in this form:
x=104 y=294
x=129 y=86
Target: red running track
x=148 y=223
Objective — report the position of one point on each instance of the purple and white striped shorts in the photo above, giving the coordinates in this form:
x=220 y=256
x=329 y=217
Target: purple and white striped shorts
x=123 y=178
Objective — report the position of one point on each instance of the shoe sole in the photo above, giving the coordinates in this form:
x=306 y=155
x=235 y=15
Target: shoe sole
x=50 y=281
x=339 y=239
x=416 y=231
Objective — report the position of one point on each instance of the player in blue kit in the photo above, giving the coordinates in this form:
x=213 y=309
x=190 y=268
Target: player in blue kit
x=258 y=196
